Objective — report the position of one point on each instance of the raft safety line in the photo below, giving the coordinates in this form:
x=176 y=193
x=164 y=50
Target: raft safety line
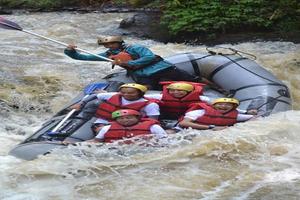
x=195 y=65
x=248 y=69
x=282 y=101
x=235 y=52
x=194 y=59
x=271 y=100
x=258 y=85
x=222 y=67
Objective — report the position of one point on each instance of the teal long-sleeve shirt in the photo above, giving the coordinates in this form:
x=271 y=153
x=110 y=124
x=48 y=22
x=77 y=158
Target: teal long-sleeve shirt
x=142 y=57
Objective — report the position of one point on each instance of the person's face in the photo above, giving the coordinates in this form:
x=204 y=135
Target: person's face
x=130 y=94
x=177 y=93
x=128 y=120
x=112 y=45
x=224 y=107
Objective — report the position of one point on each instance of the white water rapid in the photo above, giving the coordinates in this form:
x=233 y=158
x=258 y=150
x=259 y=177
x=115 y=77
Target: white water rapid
x=254 y=160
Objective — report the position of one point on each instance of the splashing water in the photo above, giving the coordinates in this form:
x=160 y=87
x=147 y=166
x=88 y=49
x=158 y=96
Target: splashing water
x=253 y=160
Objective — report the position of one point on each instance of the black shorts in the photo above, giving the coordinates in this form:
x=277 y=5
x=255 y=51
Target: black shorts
x=169 y=74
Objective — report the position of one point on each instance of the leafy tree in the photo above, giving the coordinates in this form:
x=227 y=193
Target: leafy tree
x=225 y=16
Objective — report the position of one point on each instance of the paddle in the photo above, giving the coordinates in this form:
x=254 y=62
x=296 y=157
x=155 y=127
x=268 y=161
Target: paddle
x=88 y=90
x=6 y=24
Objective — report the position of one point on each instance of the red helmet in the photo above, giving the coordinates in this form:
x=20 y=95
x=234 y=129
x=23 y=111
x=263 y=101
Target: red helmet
x=124 y=112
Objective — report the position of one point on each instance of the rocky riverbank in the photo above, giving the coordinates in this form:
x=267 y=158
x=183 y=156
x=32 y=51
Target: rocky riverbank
x=146 y=24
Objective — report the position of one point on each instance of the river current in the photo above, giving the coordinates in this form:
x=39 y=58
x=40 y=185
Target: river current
x=254 y=160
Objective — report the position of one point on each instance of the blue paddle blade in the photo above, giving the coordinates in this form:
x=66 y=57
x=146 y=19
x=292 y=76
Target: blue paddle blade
x=89 y=89
x=6 y=24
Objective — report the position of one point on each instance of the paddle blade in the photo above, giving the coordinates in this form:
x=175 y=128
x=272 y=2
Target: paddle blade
x=6 y=24
x=89 y=89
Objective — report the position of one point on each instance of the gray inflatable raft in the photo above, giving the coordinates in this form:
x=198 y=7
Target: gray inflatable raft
x=242 y=78
x=238 y=76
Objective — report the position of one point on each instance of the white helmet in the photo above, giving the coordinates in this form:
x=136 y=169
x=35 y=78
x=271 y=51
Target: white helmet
x=109 y=39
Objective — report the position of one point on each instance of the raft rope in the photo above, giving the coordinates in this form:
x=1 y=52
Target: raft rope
x=233 y=61
x=269 y=100
x=193 y=60
x=276 y=98
x=234 y=52
x=212 y=74
x=195 y=65
x=232 y=92
x=272 y=100
x=198 y=73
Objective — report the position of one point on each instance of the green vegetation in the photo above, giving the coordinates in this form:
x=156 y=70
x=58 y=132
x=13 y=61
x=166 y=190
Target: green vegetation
x=225 y=16
x=199 y=17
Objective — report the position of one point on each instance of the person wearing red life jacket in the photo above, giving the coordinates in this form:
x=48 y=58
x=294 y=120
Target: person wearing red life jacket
x=222 y=113
x=177 y=96
x=127 y=124
x=130 y=96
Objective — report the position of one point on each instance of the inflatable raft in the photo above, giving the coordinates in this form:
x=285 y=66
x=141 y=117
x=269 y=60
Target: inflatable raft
x=238 y=76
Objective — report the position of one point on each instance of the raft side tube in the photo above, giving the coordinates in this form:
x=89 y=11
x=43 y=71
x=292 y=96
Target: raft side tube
x=30 y=151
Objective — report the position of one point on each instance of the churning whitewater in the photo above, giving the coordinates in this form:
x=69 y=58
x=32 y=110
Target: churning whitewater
x=254 y=160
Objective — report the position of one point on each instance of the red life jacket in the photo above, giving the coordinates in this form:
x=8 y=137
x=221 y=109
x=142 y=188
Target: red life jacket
x=173 y=108
x=213 y=116
x=122 y=56
x=125 y=56
x=114 y=103
x=117 y=131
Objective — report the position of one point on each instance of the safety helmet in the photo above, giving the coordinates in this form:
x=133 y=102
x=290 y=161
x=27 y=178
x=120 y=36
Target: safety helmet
x=124 y=112
x=140 y=87
x=226 y=100
x=108 y=39
x=181 y=86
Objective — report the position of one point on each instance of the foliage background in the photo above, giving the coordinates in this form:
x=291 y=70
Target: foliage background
x=205 y=18
x=224 y=16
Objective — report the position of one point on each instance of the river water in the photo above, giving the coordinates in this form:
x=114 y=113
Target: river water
x=254 y=160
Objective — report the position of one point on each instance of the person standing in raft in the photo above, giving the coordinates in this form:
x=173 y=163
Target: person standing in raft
x=177 y=96
x=130 y=96
x=141 y=64
x=127 y=124
x=221 y=114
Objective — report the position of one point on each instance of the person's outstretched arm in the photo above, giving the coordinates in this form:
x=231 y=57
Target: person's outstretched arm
x=71 y=52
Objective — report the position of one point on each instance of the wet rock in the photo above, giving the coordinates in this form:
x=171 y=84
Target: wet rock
x=145 y=25
x=4 y=11
x=127 y=23
x=110 y=7
x=10 y=128
x=278 y=150
x=21 y=132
